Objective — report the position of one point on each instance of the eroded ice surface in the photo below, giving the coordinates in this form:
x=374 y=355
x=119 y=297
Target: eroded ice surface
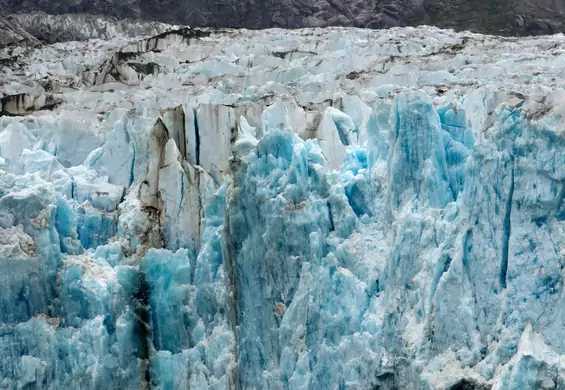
x=307 y=209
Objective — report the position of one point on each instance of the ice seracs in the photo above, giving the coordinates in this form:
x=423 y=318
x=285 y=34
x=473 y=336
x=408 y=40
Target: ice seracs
x=305 y=209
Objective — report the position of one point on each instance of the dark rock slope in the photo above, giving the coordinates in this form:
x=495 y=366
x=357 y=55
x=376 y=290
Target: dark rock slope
x=504 y=17
x=50 y=28
x=12 y=33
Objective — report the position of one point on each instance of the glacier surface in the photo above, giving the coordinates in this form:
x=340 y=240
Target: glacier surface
x=308 y=209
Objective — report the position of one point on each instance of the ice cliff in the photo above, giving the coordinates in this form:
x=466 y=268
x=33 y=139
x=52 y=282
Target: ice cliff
x=307 y=209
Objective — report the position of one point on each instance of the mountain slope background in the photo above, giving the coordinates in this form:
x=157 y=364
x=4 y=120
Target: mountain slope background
x=500 y=17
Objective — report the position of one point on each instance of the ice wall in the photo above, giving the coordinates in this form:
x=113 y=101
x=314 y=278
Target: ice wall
x=375 y=236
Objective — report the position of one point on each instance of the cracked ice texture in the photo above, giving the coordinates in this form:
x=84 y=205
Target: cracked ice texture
x=299 y=210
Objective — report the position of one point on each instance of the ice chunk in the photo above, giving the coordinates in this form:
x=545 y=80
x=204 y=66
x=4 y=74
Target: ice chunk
x=246 y=139
x=88 y=186
x=179 y=189
x=283 y=115
x=13 y=140
x=32 y=248
x=39 y=161
x=417 y=158
x=535 y=365
x=138 y=228
x=89 y=288
x=95 y=227
x=162 y=270
x=215 y=127
x=116 y=157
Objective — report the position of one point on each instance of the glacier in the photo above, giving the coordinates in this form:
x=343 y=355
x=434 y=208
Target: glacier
x=283 y=209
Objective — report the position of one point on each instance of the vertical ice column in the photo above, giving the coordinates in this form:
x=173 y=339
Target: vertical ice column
x=417 y=164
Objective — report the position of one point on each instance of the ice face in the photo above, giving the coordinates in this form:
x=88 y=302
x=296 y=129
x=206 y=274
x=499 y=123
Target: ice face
x=308 y=209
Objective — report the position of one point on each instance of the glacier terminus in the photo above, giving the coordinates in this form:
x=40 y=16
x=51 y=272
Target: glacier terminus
x=330 y=208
